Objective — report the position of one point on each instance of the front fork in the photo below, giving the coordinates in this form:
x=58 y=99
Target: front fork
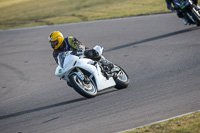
x=84 y=78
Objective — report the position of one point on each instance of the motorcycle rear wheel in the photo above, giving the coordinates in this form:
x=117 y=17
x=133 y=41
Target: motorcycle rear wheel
x=122 y=80
x=86 y=90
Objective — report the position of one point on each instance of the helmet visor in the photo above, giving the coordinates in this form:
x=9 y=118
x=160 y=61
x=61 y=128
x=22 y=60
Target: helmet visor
x=54 y=43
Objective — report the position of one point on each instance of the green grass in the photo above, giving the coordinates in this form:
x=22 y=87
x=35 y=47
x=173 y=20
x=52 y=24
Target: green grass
x=185 y=124
x=26 y=13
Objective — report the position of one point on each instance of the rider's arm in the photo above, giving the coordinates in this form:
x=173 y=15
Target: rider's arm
x=169 y=5
x=76 y=44
x=55 y=54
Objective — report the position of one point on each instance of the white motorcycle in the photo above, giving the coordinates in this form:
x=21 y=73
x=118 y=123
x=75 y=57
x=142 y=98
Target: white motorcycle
x=87 y=76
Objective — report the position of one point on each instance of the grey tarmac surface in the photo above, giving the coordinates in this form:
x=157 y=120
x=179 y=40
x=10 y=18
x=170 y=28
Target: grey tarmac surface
x=160 y=54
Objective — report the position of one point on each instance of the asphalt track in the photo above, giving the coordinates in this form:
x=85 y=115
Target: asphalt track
x=160 y=54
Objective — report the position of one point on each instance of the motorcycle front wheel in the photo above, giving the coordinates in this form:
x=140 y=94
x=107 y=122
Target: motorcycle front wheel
x=87 y=90
x=196 y=16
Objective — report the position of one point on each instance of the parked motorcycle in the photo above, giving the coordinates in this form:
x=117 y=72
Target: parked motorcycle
x=189 y=10
x=87 y=76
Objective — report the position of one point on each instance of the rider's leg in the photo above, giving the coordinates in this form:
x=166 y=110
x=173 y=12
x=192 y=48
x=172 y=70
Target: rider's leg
x=93 y=54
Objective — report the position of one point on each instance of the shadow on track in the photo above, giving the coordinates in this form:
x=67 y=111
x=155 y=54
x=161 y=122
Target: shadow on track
x=51 y=106
x=108 y=91
x=154 y=38
x=41 y=108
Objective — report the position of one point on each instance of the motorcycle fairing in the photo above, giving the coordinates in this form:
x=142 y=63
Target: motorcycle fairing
x=72 y=62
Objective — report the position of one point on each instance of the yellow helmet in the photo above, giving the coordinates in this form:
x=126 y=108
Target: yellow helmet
x=56 y=39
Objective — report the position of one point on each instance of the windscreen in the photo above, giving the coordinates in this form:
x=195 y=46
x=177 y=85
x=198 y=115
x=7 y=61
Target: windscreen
x=61 y=58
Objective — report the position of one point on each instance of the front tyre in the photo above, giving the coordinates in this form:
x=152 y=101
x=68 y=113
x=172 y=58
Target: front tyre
x=87 y=90
x=196 y=16
x=122 y=79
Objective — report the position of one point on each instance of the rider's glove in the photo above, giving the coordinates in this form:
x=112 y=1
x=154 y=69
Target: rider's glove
x=170 y=7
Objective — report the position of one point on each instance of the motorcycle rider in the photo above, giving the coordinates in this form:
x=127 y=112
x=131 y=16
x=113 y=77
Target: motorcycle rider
x=179 y=14
x=61 y=44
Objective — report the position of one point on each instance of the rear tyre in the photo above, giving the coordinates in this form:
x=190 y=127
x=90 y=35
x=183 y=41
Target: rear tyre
x=87 y=90
x=122 y=80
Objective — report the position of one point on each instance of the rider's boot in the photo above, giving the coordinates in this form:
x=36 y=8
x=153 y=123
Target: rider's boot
x=106 y=63
x=107 y=66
